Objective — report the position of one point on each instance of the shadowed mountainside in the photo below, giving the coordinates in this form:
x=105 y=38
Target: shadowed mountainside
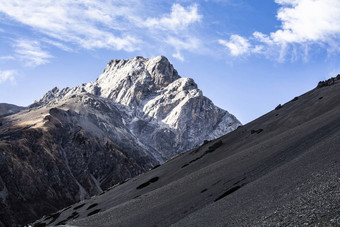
x=280 y=169
x=52 y=157
x=6 y=109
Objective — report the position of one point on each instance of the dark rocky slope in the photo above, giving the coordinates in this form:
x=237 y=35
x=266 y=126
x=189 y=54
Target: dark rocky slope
x=281 y=169
x=44 y=168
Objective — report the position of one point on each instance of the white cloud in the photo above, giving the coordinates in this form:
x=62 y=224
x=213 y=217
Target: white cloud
x=7 y=75
x=183 y=43
x=176 y=30
x=237 y=45
x=58 y=44
x=307 y=21
x=178 y=56
x=5 y=58
x=88 y=23
x=180 y=18
x=303 y=23
x=31 y=53
x=187 y=43
x=105 y=24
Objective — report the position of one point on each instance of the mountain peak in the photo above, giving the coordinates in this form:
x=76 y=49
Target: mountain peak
x=131 y=81
x=156 y=98
x=157 y=70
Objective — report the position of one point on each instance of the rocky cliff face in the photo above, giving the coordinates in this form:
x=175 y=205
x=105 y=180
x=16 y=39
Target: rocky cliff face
x=162 y=110
x=77 y=142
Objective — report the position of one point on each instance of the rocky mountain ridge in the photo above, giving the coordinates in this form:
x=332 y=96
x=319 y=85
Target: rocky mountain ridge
x=159 y=104
x=77 y=142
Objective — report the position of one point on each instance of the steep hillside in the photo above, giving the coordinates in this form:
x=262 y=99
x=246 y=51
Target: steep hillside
x=51 y=157
x=281 y=169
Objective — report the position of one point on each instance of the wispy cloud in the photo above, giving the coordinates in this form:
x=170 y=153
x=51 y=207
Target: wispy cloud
x=303 y=23
x=58 y=44
x=107 y=24
x=176 y=29
x=179 y=18
x=7 y=75
x=237 y=45
x=88 y=23
x=5 y=58
x=183 y=43
x=178 y=56
x=31 y=53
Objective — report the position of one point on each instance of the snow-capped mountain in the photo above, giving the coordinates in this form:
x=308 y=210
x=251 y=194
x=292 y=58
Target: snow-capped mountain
x=77 y=142
x=163 y=111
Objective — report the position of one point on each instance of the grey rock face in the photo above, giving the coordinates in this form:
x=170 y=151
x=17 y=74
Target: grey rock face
x=50 y=96
x=76 y=142
x=164 y=111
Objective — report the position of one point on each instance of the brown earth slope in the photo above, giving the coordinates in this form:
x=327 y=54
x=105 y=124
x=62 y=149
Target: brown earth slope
x=281 y=169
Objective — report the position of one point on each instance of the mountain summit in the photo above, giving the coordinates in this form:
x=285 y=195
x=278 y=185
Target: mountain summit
x=160 y=109
x=77 y=142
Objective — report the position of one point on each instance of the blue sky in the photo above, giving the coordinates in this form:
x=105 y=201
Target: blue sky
x=247 y=56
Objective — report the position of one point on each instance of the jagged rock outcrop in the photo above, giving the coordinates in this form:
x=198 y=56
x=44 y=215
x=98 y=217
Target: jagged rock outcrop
x=163 y=110
x=77 y=142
